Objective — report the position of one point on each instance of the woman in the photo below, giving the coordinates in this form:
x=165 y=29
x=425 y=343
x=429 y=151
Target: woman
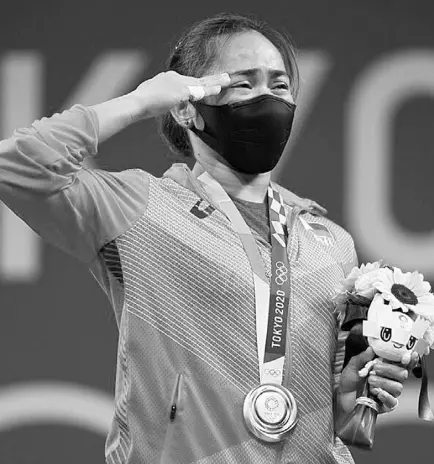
x=191 y=265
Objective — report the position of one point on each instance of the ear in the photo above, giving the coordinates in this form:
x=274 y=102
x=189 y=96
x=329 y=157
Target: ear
x=186 y=115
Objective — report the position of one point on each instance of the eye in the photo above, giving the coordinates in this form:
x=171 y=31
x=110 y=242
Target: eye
x=282 y=85
x=242 y=85
x=411 y=342
x=386 y=334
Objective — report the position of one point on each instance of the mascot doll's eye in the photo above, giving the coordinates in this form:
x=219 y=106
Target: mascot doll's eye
x=412 y=340
x=386 y=334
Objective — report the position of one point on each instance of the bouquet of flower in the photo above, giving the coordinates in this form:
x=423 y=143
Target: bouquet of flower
x=393 y=312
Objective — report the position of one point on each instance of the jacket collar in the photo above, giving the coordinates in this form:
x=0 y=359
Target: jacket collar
x=182 y=175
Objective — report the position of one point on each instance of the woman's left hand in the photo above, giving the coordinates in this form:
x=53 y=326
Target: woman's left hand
x=385 y=380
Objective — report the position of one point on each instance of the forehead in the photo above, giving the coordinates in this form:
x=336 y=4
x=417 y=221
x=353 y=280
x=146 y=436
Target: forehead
x=247 y=50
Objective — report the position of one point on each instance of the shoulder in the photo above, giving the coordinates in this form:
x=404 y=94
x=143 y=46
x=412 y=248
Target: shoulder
x=313 y=219
x=128 y=188
x=291 y=199
x=335 y=240
x=111 y=201
x=322 y=224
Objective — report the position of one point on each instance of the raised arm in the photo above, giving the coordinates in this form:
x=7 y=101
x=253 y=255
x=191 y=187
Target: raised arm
x=43 y=179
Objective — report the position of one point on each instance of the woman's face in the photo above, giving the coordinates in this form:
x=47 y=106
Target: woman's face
x=255 y=66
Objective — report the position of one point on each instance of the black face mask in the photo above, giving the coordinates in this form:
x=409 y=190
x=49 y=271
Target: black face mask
x=250 y=135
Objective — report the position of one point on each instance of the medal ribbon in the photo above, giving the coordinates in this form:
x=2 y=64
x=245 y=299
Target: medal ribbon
x=271 y=324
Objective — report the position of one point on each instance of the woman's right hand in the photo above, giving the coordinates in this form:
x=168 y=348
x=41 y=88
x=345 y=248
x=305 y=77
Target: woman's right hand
x=163 y=92
x=153 y=98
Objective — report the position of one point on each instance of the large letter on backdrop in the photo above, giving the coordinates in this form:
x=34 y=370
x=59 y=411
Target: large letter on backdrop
x=21 y=93
x=377 y=95
x=23 y=101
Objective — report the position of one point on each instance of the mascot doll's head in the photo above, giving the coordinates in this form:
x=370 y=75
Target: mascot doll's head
x=392 y=333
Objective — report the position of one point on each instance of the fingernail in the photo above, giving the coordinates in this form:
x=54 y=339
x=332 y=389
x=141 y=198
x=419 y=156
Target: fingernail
x=226 y=76
x=405 y=375
x=372 y=373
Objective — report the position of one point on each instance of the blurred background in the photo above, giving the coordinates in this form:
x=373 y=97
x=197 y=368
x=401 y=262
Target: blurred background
x=362 y=147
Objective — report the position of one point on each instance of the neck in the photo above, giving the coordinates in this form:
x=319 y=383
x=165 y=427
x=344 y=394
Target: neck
x=247 y=187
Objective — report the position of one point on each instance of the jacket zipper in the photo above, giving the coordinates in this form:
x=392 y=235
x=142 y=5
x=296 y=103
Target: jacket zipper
x=171 y=415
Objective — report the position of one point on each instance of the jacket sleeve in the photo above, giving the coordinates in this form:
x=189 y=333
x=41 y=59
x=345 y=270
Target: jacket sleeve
x=43 y=180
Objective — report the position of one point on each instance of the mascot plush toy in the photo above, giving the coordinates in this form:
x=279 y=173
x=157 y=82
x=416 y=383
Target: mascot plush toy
x=393 y=312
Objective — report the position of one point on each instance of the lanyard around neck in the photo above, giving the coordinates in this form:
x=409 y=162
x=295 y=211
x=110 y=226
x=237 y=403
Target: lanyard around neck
x=271 y=299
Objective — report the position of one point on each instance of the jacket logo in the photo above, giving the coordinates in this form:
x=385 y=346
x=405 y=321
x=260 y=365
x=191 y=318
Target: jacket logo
x=202 y=209
x=319 y=231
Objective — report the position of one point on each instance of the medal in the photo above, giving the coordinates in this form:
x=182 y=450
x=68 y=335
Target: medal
x=270 y=412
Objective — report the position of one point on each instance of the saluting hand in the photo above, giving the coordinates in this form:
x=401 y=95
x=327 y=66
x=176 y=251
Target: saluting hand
x=154 y=98
x=160 y=94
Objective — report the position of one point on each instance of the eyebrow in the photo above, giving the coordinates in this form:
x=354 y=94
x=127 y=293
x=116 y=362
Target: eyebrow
x=253 y=71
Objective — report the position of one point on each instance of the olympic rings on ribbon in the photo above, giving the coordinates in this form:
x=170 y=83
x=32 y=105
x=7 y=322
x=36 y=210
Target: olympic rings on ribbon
x=282 y=273
x=272 y=372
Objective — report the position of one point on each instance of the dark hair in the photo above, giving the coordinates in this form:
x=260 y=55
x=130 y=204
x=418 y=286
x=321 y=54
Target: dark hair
x=197 y=50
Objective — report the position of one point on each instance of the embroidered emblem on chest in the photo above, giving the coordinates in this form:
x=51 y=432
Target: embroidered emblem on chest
x=319 y=231
x=202 y=209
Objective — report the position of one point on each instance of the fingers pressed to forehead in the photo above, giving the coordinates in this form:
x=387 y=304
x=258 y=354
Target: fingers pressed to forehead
x=198 y=92
x=223 y=80
x=212 y=90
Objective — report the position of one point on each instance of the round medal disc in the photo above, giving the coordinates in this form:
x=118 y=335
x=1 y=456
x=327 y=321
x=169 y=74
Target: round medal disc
x=270 y=412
